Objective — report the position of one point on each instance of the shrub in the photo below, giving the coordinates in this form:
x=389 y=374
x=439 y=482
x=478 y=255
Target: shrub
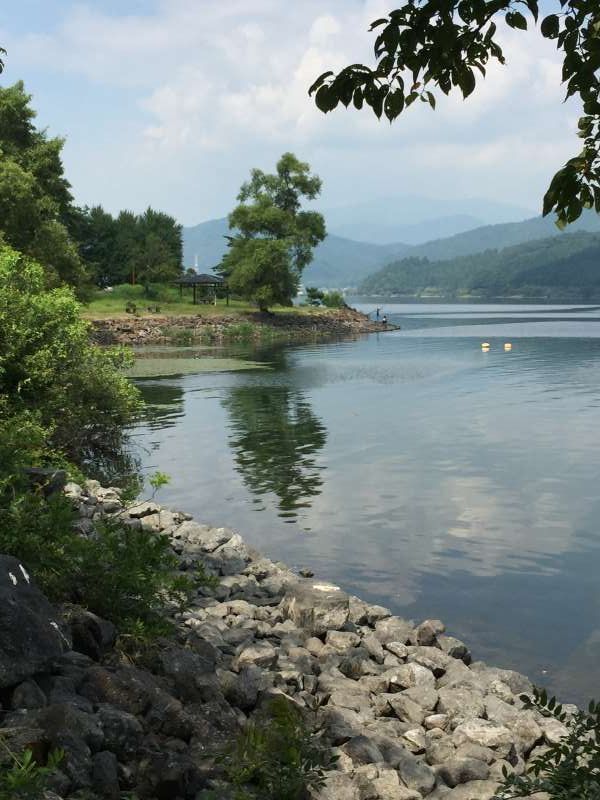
x=334 y=300
x=567 y=770
x=277 y=757
x=24 y=778
x=50 y=371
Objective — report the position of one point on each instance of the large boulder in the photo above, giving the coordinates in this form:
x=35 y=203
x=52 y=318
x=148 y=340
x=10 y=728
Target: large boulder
x=31 y=635
x=316 y=607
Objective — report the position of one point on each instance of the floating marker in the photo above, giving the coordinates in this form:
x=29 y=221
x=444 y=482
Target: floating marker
x=485 y=345
x=507 y=346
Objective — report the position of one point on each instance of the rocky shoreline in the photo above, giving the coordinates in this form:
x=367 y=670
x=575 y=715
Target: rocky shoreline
x=159 y=329
x=404 y=708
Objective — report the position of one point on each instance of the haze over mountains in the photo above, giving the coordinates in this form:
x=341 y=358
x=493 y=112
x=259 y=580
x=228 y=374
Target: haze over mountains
x=345 y=262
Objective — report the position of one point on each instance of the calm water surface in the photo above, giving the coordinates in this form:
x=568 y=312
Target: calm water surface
x=417 y=471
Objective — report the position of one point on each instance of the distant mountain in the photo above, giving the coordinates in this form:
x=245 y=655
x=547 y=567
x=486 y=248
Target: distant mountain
x=338 y=262
x=499 y=236
x=415 y=219
x=557 y=266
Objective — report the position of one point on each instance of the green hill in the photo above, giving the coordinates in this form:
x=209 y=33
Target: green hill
x=557 y=266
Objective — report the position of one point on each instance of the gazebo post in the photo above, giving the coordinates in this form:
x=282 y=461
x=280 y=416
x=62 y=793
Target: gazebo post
x=194 y=288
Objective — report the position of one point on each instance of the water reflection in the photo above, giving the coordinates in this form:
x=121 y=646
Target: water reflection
x=163 y=401
x=275 y=436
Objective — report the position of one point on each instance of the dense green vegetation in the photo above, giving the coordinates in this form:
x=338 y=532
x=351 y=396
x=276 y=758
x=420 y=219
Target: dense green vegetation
x=568 y=265
x=273 y=238
x=130 y=248
x=424 y=46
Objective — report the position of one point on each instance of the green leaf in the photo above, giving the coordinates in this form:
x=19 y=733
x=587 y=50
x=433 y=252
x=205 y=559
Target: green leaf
x=319 y=82
x=550 y=26
x=516 y=20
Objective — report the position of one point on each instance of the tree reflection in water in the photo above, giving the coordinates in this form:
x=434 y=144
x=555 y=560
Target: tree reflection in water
x=275 y=436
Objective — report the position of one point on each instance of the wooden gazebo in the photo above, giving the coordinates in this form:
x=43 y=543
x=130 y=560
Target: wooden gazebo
x=204 y=280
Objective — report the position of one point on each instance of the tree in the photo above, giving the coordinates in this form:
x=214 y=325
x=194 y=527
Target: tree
x=275 y=238
x=35 y=200
x=435 y=44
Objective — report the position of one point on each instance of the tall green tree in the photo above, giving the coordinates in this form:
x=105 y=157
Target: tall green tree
x=274 y=237
x=35 y=198
x=429 y=45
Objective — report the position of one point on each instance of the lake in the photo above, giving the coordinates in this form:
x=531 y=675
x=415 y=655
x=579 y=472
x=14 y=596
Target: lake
x=417 y=471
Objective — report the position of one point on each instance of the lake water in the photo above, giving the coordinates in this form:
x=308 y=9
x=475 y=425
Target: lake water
x=418 y=472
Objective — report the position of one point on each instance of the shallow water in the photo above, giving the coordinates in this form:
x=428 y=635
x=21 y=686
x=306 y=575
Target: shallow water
x=417 y=471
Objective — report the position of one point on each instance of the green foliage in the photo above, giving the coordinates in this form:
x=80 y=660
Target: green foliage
x=122 y=574
x=35 y=198
x=314 y=296
x=567 y=770
x=145 y=248
x=424 y=46
x=274 y=238
x=560 y=266
x=157 y=480
x=25 y=779
x=276 y=757
x=334 y=299
x=50 y=372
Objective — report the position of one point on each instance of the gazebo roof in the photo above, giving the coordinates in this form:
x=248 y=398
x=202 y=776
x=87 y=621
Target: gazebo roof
x=202 y=279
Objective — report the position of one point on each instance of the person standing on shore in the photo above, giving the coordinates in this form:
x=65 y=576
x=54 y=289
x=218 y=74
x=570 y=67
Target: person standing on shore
x=384 y=320
x=377 y=313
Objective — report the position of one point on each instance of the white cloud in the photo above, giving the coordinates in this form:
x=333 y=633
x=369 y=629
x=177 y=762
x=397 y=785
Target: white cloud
x=228 y=80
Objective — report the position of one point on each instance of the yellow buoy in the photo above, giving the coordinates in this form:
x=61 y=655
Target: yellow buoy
x=507 y=346
x=485 y=345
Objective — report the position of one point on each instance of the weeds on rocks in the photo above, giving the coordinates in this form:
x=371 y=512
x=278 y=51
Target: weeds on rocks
x=276 y=757
x=24 y=778
x=568 y=769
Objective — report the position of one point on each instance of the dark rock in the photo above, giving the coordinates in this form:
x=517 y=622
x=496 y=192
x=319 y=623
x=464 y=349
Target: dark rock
x=428 y=631
x=31 y=637
x=105 y=780
x=463 y=770
x=363 y=750
x=185 y=666
x=28 y=695
x=50 y=481
x=123 y=732
x=127 y=688
x=92 y=635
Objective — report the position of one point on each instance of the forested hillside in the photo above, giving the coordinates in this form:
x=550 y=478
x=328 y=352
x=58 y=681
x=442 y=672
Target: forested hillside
x=567 y=265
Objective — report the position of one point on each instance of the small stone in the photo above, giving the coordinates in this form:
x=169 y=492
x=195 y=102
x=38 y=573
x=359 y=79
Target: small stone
x=461 y=704
x=341 y=640
x=553 y=730
x=406 y=709
x=306 y=573
x=316 y=607
x=424 y=696
x=393 y=629
x=362 y=750
x=374 y=648
x=454 y=648
x=483 y=732
x=28 y=695
x=105 y=780
x=143 y=509
x=415 y=741
x=397 y=649
x=436 y=721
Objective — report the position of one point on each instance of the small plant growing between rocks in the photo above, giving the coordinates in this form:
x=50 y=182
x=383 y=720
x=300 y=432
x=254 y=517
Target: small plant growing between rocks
x=25 y=779
x=567 y=770
x=276 y=757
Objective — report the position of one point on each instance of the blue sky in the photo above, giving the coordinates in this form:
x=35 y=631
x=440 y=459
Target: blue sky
x=171 y=102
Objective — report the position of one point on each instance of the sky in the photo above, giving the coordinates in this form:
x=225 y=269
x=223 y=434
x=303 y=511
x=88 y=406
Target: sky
x=170 y=103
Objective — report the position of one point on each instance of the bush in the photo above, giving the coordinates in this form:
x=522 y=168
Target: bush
x=568 y=770
x=24 y=778
x=72 y=390
x=276 y=757
x=334 y=300
x=127 y=576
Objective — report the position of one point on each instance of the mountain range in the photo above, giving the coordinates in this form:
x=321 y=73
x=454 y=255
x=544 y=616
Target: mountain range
x=342 y=262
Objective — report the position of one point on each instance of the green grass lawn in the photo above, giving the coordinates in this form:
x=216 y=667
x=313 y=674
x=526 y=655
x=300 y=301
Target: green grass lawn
x=113 y=304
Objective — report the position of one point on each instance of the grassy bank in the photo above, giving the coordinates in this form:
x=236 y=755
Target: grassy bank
x=114 y=304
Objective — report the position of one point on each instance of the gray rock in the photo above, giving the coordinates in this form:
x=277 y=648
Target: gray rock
x=474 y=790
x=470 y=750
x=259 y=654
x=363 y=750
x=92 y=635
x=398 y=649
x=436 y=721
x=393 y=629
x=242 y=689
x=424 y=696
x=340 y=723
x=553 y=730
x=430 y=657
x=105 y=780
x=440 y=751
x=143 y=509
x=31 y=636
x=461 y=703
x=462 y=770
x=415 y=774
x=316 y=607
x=406 y=709
x=483 y=732
x=341 y=640
x=428 y=631
x=454 y=648
x=406 y=676
x=414 y=740
x=338 y=786
x=374 y=648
